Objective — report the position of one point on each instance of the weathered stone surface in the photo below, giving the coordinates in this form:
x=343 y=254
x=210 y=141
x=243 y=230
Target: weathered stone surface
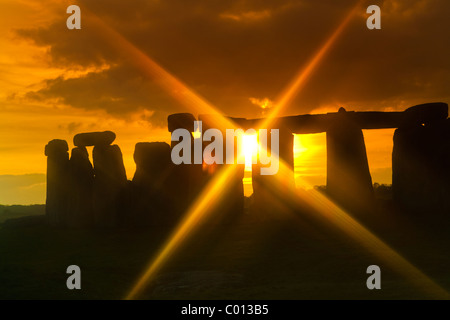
x=57 y=181
x=94 y=139
x=181 y=120
x=348 y=177
x=109 y=185
x=80 y=209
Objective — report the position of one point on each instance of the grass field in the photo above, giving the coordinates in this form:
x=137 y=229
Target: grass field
x=251 y=259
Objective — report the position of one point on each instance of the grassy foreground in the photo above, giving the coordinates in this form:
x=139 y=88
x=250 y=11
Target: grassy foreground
x=252 y=259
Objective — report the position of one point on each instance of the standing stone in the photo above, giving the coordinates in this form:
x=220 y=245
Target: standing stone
x=189 y=177
x=80 y=210
x=348 y=177
x=109 y=185
x=152 y=184
x=443 y=167
x=272 y=193
x=408 y=165
x=420 y=167
x=426 y=113
x=231 y=199
x=57 y=181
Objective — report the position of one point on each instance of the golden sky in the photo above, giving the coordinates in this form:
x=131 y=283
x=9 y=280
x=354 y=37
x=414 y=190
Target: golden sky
x=238 y=56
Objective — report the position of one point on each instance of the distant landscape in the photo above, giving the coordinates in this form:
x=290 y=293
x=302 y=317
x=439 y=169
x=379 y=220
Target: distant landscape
x=18 y=211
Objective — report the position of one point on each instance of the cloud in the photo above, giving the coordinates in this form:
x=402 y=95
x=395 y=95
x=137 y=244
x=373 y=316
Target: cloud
x=118 y=90
x=264 y=103
x=247 y=16
x=227 y=62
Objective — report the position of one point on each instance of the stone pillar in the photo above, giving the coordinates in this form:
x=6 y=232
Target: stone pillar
x=153 y=184
x=231 y=197
x=348 y=177
x=189 y=177
x=109 y=185
x=80 y=209
x=57 y=181
x=420 y=164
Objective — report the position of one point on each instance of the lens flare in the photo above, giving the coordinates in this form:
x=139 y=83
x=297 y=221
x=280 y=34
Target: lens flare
x=204 y=204
x=303 y=75
x=211 y=194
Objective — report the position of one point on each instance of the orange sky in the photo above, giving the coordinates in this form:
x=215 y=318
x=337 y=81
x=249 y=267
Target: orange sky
x=237 y=55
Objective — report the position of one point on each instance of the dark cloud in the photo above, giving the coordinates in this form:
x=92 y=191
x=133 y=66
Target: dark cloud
x=231 y=51
x=119 y=90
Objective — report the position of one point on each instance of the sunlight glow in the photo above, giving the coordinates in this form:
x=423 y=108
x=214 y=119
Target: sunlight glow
x=210 y=195
x=310 y=160
x=249 y=149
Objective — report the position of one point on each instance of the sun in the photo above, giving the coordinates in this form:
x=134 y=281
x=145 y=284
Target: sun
x=249 y=149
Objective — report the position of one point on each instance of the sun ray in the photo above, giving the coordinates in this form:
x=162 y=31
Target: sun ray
x=210 y=195
x=305 y=72
x=343 y=221
x=173 y=86
x=204 y=204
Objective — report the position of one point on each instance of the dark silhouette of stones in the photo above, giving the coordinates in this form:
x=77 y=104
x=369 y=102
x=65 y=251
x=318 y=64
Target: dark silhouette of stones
x=425 y=114
x=57 y=181
x=232 y=194
x=94 y=139
x=162 y=192
x=189 y=178
x=152 y=184
x=315 y=123
x=409 y=174
x=348 y=177
x=153 y=163
x=420 y=167
x=181 y=120
x=80 y=209
x=109 y=185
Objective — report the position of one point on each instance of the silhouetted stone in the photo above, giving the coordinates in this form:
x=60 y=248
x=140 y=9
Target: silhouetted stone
x=420 y=167
x=348 y=176
x=57 y=181
x=153 y=163
x=189 y=177
x=425 y=113
x=181 y=120
x=109 y=185
x=152 y=184
x=94 y=139
x=232 y=193
x=80 y=209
